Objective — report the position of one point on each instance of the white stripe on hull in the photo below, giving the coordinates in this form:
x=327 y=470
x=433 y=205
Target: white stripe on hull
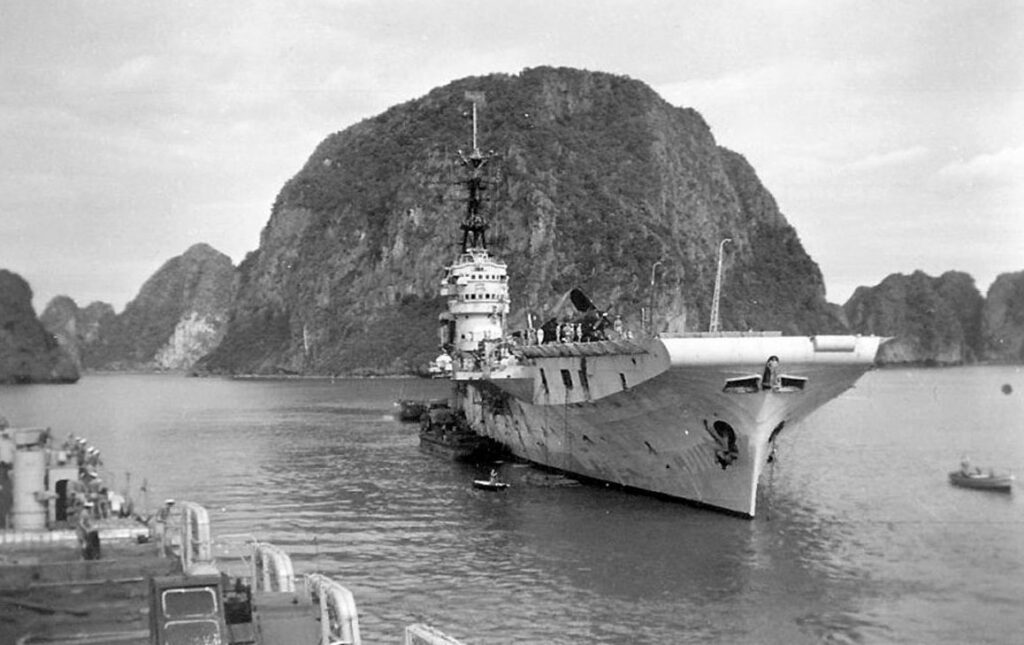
x=653 y=434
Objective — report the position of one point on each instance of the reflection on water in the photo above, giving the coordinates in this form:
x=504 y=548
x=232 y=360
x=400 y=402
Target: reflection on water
x=861 y=539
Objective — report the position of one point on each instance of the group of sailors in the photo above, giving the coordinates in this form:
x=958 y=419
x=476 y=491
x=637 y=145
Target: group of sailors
x=89 y=498
x=77 y=449
x=586 y=330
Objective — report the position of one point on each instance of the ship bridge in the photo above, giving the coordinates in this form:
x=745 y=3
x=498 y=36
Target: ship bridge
x=476 y=286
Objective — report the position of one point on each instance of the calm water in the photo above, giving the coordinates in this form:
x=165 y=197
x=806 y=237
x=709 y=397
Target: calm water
x=860 y=538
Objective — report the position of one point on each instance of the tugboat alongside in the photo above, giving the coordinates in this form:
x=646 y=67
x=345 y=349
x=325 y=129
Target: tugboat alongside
x=159 y=581
x=444 y=432
x=690 y=416
x=410 y=409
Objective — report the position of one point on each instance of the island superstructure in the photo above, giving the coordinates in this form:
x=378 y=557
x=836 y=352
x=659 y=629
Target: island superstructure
x=691 y=416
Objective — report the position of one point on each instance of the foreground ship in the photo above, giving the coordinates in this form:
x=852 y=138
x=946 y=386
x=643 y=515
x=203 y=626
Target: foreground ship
x=111 y=577
x=691 y=416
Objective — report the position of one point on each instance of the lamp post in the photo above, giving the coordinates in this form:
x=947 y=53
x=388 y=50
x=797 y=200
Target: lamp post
x=653 y=269
x=718 y=287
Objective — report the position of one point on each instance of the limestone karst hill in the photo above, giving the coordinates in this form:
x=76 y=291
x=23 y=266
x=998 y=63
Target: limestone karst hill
x=28 y=353
x=596 y=182
x=596 y=179
x=942 y=320
x=1002 y=320
x=931 y=320
x=178 y=316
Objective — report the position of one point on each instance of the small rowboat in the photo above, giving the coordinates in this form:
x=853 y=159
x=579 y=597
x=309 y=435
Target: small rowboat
x=489 y=484
x=1002 y=483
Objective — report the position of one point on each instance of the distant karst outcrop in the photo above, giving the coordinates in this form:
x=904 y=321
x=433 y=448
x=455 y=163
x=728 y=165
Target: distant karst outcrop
x=28 y=353
x=595 y=182
x=80 y=331
x=932 y=320
x=598 y=183
x=178 y=316
x=1002 y=319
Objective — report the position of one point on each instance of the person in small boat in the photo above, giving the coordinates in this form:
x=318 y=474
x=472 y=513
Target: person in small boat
x=494 y=476
x=967 y=470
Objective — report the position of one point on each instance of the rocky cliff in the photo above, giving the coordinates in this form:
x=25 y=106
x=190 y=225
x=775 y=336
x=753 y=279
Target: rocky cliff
x=28 y=353
x=931 y=320
x=1002 y=319
x=596 y=180
x=179 y=315
x=81 y=332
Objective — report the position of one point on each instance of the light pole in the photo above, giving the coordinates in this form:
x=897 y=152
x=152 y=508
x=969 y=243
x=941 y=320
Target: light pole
x=718 y=287
x=653 y=268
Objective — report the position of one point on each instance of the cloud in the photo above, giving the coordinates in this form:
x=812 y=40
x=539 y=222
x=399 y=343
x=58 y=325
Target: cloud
x=786 y=80
x=887 y=160
x=1003 y=166
x=140 y=71
x=151 y=126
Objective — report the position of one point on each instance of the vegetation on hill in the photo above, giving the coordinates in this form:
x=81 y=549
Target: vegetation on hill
x=178 y=316
x=595 y=180
x=28 y=353
x=81 y=332
x=931 y=320
x=1002 y=320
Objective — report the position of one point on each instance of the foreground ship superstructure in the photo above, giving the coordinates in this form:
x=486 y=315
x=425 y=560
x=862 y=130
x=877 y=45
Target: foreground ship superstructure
x=691 y=416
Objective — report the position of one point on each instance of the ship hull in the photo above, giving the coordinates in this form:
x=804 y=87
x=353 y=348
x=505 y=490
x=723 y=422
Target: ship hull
x=688 y=418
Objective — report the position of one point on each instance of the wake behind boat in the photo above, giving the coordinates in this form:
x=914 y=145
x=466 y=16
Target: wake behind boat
x=444 y=432
x=692 y=416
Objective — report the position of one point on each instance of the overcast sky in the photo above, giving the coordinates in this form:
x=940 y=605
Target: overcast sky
x=890 y=132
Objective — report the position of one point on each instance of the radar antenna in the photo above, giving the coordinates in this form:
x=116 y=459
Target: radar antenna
x=474 y=228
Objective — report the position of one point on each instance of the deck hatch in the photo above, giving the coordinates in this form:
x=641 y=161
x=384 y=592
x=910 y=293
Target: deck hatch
x=567 y=379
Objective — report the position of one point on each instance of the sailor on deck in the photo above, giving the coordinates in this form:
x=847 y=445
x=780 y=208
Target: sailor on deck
x=88 y=536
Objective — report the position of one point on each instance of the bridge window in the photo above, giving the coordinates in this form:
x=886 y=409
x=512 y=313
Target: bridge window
x=544 y=381
x=186 y=632
x=179 y=603
x=189 y=616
